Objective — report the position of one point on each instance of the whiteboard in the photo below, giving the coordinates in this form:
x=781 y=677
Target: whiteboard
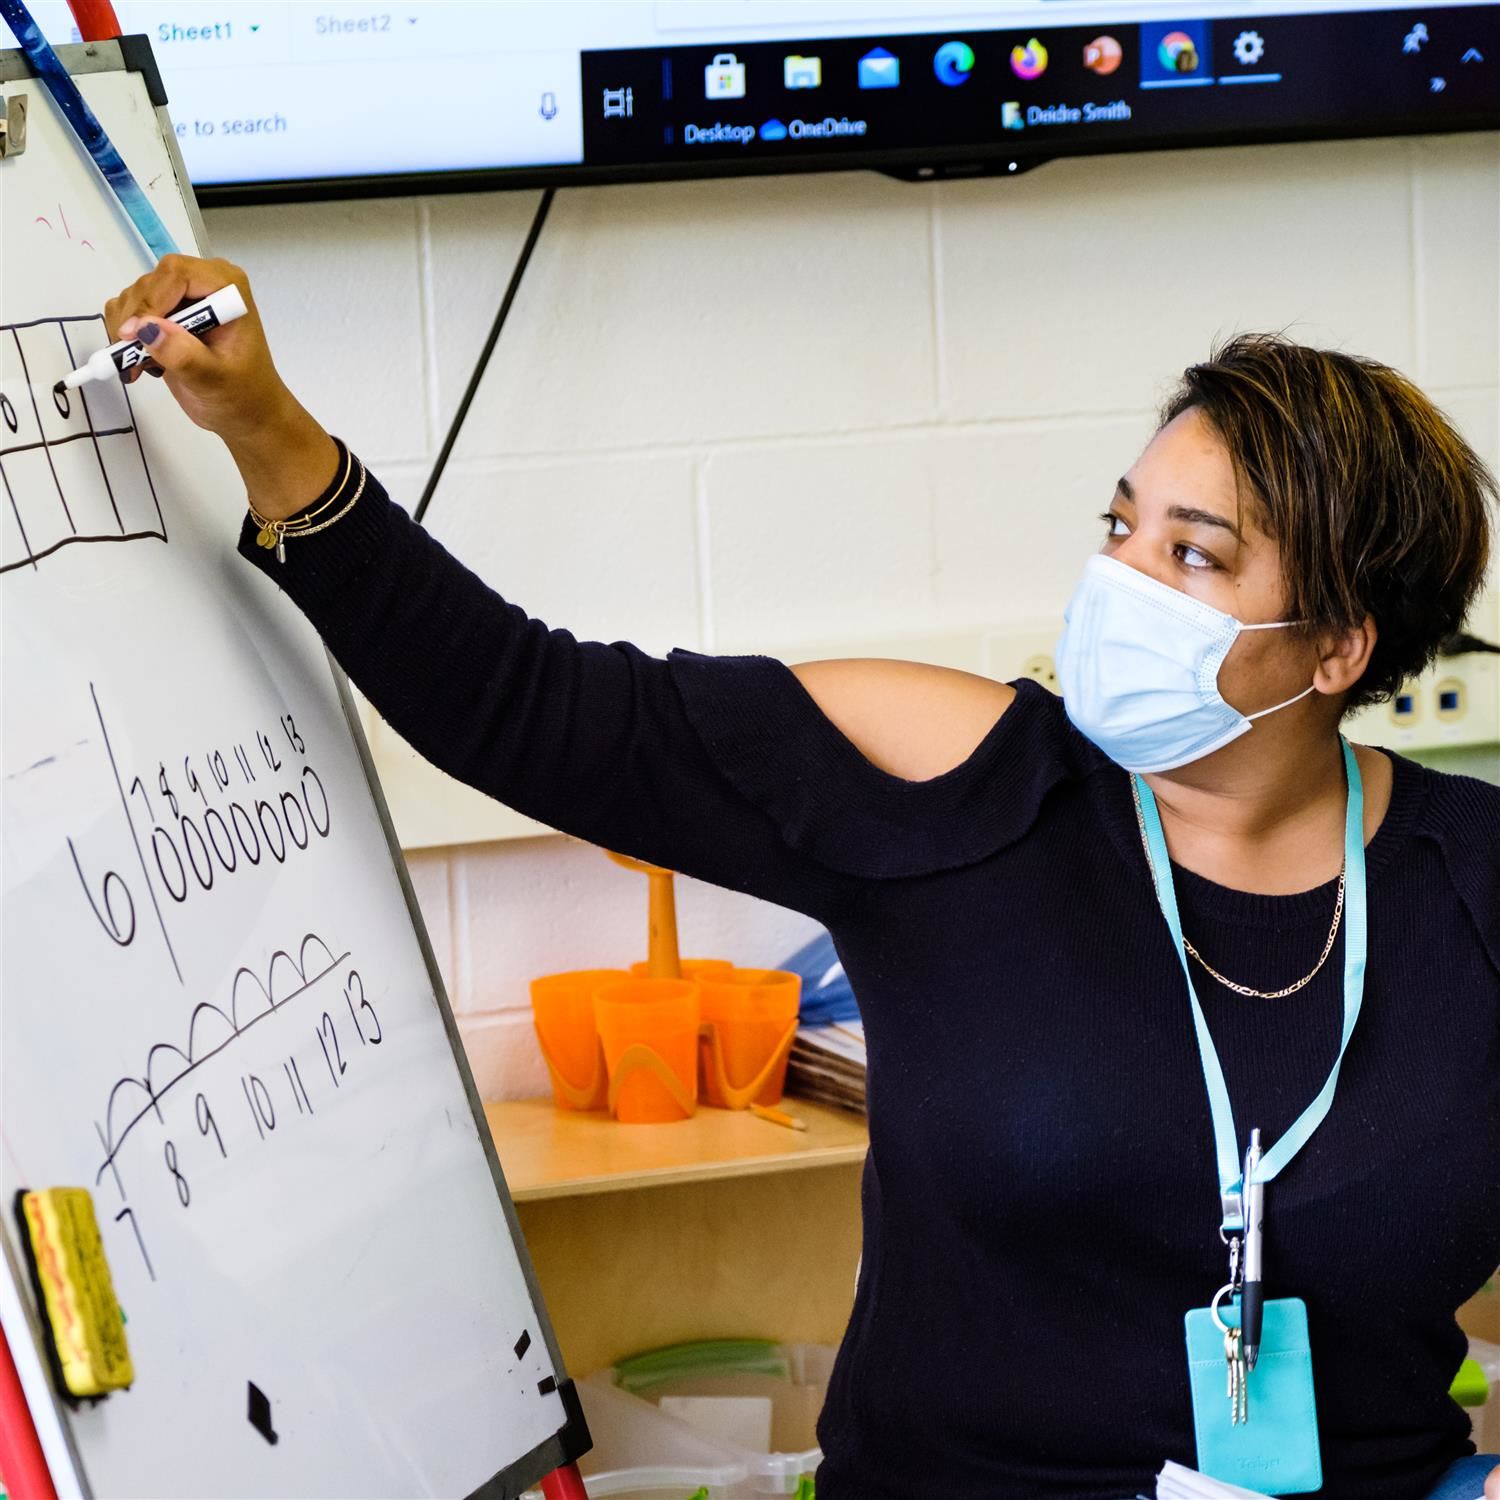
x=219 y=1008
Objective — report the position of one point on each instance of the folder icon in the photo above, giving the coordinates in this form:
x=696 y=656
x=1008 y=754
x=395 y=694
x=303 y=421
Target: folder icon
x=879 y=69
x=802 y=72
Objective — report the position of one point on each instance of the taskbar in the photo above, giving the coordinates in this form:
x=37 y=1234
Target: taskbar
x=961 y=100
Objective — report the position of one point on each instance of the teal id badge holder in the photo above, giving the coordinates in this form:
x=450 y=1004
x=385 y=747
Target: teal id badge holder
x=1258 y=1428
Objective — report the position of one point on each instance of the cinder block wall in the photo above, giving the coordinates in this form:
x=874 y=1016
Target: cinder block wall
x=728 y=415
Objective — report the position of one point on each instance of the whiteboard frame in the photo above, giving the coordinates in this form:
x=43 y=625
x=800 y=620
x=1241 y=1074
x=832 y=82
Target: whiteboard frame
x=572 y=1440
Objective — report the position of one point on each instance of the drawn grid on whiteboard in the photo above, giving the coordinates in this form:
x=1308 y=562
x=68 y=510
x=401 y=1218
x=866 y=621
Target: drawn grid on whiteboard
x=56 y=446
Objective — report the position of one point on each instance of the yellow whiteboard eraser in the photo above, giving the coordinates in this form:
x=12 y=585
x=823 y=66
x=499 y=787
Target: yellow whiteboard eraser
x=74 y=1287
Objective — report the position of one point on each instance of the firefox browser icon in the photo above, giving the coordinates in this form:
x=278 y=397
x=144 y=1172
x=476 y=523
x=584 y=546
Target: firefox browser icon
x=1029 y=61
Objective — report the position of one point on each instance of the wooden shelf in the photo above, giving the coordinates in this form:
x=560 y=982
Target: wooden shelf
x=554 y=1153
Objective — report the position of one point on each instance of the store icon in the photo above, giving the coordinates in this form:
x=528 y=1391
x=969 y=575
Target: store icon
x=724 y=77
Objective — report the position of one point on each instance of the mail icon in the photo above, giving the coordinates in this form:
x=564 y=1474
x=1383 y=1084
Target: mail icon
x=879 y=69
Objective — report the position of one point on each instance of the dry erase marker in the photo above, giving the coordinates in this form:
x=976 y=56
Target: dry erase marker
x=224 y=306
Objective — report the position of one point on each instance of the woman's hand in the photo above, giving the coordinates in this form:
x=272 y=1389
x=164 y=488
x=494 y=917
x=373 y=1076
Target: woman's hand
x=227 y=382
x=1492 y=1484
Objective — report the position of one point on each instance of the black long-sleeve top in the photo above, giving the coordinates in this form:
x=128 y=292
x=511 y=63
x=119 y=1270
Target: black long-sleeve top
x=1040 y=1201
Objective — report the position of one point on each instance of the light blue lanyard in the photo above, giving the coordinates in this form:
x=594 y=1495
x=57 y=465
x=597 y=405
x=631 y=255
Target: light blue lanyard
x=1230 y=1169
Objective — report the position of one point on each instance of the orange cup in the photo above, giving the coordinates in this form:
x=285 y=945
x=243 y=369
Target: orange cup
x=750 y=1021
x=649 y=1029
x=562 y=1008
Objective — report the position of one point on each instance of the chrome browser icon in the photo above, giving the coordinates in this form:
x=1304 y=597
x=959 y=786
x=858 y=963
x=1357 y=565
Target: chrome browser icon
x=953 y=63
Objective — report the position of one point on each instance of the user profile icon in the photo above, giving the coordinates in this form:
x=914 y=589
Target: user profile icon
x=1102 y=55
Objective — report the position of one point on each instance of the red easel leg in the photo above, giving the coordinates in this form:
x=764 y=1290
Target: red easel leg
x=95 y=20
x=565 y=1483
x=22 y=1466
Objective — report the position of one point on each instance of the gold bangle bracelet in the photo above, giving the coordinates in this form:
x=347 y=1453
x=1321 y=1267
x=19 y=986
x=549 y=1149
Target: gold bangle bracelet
x=275 y=533
x=302 y=522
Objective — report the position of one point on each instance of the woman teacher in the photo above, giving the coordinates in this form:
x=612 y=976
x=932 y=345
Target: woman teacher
x=1096 y=940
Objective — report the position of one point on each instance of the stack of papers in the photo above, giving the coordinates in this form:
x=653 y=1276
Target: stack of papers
x=1176 y=1482
x=827 y=1064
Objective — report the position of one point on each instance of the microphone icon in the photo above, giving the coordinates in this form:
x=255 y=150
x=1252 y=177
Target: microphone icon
x=548 y=111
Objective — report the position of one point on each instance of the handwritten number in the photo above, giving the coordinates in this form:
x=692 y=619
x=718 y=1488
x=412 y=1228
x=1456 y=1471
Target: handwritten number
x=354 y=987
x=206 y=1123
x=258 y=1097
x=213 y=818
x=278 y=848
x=266 y=751
x=191 y=831
x=327 y=1034
x=169 y=1151
x=190 y=776
x=290 y=805
x=157 y=835
x=236 y=813
x=317 y=781
x=129 y=1213
x=299 y=1089
x=140 y=786
x=166 y=790
x=263 y=1103
x=219 y=769
x=8 y=414
x=295 y=740
x=333 y=1037
x=254 y=1113
x=119 y=932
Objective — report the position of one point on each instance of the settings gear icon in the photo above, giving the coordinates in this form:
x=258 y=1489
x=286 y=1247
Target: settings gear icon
x=1249 y=47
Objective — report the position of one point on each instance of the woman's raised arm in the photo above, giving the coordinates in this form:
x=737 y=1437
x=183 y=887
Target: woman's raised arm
x=711 y=766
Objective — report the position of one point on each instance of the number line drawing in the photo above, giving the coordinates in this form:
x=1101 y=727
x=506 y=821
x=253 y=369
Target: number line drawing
x=113 y=1142
x=50 y=502
x=124 y=802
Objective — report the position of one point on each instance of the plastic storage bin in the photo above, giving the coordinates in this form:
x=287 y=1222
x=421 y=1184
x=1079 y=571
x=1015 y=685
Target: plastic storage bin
x=640 y=1454
x=792 y=1377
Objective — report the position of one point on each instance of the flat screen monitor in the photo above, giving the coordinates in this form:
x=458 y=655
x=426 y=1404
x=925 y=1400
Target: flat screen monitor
x=294 y=99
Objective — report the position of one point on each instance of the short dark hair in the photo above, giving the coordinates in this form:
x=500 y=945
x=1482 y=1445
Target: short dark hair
x=1376 y=502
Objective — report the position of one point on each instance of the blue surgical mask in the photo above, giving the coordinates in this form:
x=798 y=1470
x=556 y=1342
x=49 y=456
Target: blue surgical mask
x=1139 y=667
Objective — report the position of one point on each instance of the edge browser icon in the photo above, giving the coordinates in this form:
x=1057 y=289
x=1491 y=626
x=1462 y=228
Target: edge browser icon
x=953 y=63
x=879 y=69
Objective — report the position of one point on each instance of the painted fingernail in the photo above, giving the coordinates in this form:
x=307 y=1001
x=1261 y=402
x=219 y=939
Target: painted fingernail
x=155 y=370
x=148 y=333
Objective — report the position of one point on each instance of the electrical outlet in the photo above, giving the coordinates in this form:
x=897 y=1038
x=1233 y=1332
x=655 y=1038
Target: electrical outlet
x=1456 y=702
x=1023 y=651
x=1041 y=668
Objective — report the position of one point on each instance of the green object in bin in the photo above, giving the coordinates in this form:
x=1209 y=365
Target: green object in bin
x=641 y=1373
x=805 y=1488
x=701 y=1493
x=1470 y=1387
